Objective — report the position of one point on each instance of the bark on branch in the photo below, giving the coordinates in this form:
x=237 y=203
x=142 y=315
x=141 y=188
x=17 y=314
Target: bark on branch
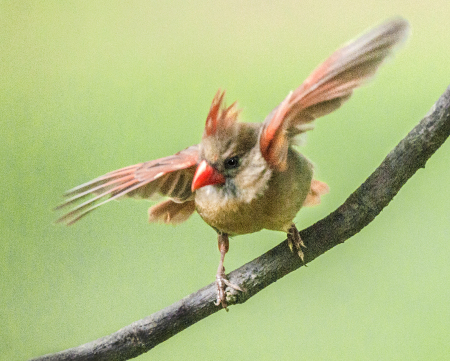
x=357 y=211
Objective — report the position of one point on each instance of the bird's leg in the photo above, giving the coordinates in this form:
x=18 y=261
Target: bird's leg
x=295 y=241
x=221 y=280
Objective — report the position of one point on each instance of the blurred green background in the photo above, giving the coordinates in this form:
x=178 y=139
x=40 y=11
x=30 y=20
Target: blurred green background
x=92 y=86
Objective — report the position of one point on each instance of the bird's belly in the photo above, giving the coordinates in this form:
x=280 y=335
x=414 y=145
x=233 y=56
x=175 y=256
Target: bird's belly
x=230 y=217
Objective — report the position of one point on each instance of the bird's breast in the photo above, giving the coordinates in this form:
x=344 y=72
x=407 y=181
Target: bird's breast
x=271 y=202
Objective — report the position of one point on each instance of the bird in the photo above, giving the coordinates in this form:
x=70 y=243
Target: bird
x=245 y=177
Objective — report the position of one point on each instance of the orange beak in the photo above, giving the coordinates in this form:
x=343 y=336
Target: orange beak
x=206 y=175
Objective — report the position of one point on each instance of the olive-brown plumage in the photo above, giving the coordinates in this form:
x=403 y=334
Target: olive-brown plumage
x=244 y=177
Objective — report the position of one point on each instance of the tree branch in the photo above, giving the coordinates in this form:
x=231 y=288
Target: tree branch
x=357 y=211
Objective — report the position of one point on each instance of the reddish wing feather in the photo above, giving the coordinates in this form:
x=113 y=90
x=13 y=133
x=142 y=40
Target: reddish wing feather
x=170 y=176
x=272 y=140
x=327 y=88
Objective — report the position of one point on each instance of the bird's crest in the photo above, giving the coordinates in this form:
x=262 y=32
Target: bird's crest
x=220 y=117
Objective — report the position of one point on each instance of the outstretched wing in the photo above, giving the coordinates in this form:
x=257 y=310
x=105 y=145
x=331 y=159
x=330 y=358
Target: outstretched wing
x=170 y=176
x=329 y=85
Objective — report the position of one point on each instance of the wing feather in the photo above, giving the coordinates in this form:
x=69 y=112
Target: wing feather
x=170 y=176
x=328 y=86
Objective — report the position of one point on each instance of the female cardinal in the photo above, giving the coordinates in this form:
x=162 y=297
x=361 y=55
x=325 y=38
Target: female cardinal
x=244 y=177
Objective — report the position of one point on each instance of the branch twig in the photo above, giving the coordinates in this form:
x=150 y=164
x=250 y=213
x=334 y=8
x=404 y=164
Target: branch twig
x=357 y=211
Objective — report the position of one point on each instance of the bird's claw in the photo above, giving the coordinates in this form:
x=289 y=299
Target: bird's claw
x=221 y=285
x=295 y=241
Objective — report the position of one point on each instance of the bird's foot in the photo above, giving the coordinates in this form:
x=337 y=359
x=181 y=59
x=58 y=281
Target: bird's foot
x=221 y=285
x=295 y=241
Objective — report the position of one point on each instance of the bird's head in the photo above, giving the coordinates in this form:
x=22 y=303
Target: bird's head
x=226 y=146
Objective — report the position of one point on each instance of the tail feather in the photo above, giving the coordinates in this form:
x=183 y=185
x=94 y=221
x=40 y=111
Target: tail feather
x=317 y=190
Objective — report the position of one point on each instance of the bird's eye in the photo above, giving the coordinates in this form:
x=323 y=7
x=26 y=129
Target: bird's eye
x=232 y=162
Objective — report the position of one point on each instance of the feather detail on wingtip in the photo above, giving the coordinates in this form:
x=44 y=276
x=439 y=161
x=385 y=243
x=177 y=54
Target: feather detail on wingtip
x=170 y=176
x=328 y=86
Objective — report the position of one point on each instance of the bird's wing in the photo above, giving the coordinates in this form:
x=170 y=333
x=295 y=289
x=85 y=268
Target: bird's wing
x=328 y=86
x=170 y=176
